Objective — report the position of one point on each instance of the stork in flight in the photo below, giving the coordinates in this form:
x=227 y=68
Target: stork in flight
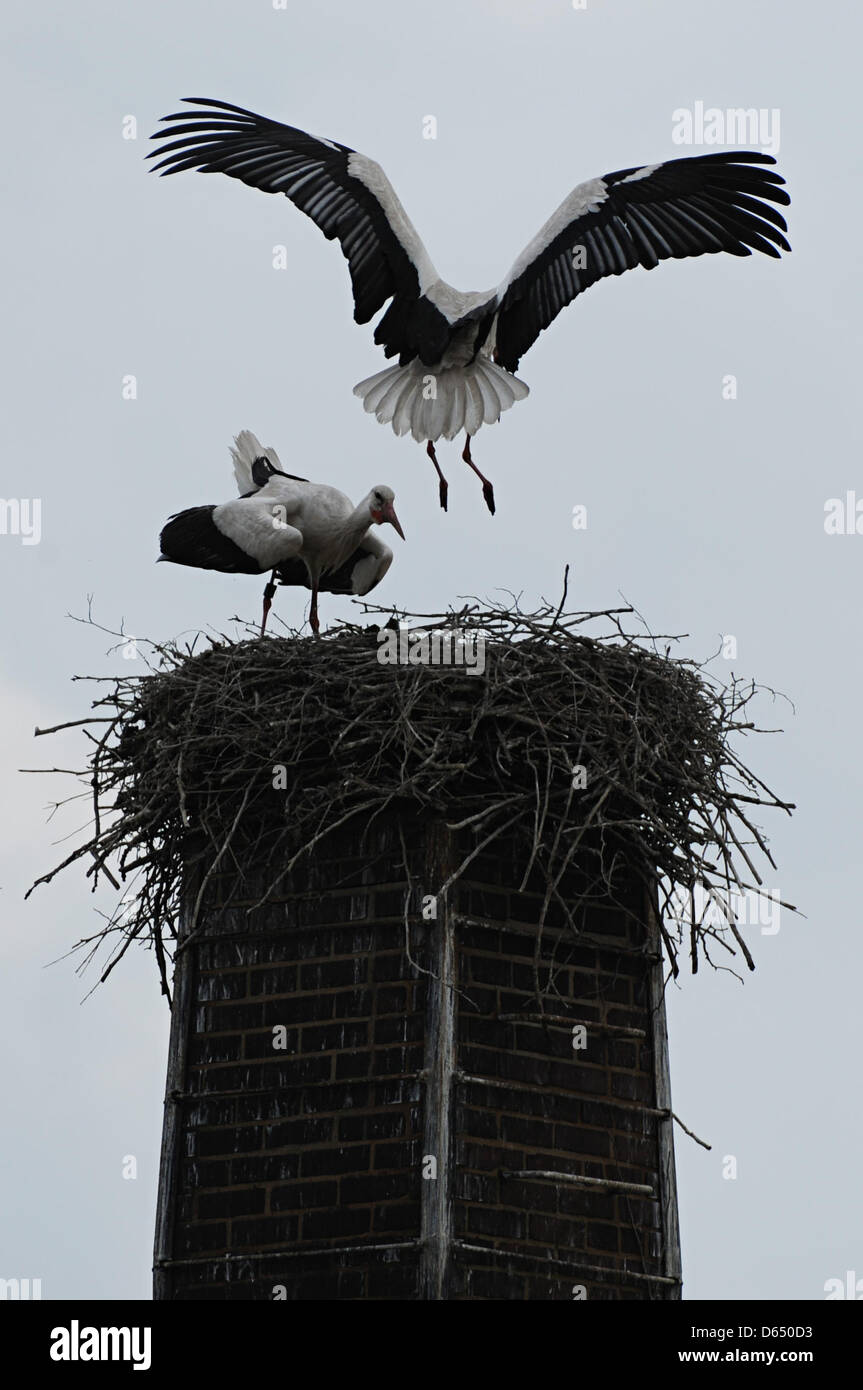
x=305 y=533
x=458 y=353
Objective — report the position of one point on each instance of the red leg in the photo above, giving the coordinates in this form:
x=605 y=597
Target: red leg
x=487 y=489
x=269 y=593
x=443 y=486
x=313 y=613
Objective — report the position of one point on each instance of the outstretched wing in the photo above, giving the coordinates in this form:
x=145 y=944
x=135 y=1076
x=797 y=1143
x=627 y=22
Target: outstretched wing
x=684 y=207
x=345 y=194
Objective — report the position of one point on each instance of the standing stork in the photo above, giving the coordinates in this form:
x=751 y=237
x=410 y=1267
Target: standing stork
x=304 y=533
x=458 y=352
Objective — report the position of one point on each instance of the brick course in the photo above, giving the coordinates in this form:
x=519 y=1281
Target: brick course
x=296 y=1170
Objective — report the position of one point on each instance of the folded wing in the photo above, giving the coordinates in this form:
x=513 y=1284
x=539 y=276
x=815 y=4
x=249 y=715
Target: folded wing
x=192 y=538
x=360 y=573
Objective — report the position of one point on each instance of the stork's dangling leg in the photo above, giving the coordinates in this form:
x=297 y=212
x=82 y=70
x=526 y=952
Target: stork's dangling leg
x=487 y=489
x=269 y=595
x=443 y=486
x=313 y=612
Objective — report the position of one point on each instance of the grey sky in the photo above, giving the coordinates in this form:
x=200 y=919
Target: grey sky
x=706 y=513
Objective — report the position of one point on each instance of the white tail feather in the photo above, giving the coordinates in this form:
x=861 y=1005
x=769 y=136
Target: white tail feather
x=433 y=404
x=244 y=451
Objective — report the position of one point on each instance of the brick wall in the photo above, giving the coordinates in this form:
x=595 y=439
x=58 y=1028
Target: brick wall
x=302 y=1170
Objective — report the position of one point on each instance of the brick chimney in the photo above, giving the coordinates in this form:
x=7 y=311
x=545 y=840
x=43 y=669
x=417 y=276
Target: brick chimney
x=383 y=1089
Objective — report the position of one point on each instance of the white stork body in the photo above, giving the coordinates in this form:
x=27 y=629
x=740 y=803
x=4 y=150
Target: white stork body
x=305 y=533
x=458 y=352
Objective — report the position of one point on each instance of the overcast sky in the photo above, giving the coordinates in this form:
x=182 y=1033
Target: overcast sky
x=707 y=513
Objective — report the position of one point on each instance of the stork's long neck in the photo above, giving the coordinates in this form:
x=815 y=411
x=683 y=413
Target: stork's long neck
x=352 y=530
x=359 y=521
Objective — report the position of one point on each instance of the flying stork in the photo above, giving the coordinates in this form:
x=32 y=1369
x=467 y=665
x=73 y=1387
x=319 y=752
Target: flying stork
x=304 y=533
x=458 y=352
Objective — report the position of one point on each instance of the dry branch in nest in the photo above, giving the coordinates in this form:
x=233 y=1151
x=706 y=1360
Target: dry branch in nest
x=183 y=765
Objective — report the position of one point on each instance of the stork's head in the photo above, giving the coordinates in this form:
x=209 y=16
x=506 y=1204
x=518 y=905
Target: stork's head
x=381 y=507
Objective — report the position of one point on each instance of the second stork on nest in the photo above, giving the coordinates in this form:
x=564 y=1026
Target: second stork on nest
x=304 y=533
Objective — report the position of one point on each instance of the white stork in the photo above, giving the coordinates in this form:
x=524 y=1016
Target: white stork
x=305 y=533
x=458 y=353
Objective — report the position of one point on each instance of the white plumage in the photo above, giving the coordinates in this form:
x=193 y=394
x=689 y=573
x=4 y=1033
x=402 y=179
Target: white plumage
x=245 y=450
x=305 y=533
x=465 y=397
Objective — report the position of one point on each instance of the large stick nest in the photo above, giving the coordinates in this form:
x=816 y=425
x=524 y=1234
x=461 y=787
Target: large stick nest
x=185 y=758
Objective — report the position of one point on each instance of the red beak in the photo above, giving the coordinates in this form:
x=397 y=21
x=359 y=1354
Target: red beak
x=388 y=514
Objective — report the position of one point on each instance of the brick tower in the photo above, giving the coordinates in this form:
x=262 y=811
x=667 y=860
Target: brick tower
x=383 y=1088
